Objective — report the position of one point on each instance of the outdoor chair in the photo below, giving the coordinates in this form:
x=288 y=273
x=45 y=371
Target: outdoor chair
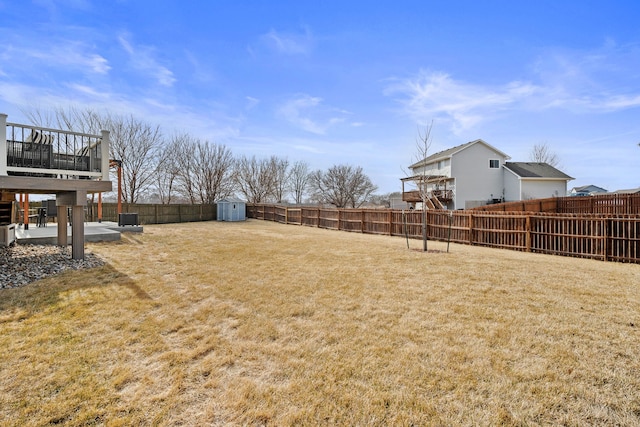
x=42 y=217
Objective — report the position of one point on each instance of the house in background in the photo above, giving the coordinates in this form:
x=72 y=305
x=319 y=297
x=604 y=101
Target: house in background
x=628 y=191
x=475 y=174
x=587 y=190
x=464 y=176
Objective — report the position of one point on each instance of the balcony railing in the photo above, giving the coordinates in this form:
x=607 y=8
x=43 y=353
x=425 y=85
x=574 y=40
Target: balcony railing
x=42 y=152
x=414 y=196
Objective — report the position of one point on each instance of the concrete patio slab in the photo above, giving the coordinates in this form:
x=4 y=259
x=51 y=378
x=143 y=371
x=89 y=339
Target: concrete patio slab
x=93 y=232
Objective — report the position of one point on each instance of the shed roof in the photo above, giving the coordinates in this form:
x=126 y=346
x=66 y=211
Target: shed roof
x=536 y=170
x=231 y=200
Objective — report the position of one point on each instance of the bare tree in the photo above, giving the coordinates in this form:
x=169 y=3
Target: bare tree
x=428 y=178
x=280 y=168
x=342 y=186
x=254 y=178
x=166 y=176
x=182 y=149
x=213 y=172
x=541 y=153
x=202 y=171
x=423 y=146
x=70 y=118
x=298 y=180
x=137 y=145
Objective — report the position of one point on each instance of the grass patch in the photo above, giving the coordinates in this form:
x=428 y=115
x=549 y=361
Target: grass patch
x=258 y=323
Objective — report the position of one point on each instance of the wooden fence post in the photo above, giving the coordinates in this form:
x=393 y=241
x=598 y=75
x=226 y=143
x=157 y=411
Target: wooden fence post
x=390 y=222
x=605 y=240
x=470 y=228
x=528 y=235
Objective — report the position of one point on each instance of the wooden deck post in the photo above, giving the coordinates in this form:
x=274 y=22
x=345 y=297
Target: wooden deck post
x=62 y=224
x=25 y=212
x=77 y=232
x=100 y=207
x=78 y=200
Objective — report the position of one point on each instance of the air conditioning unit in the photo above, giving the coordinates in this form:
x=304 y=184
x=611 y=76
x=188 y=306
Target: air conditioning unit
x=7 y=234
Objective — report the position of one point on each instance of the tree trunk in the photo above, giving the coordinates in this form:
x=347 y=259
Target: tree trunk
x=424 y=228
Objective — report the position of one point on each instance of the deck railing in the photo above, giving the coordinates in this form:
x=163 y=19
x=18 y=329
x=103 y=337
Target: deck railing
x=53 y=153
x=596 y=236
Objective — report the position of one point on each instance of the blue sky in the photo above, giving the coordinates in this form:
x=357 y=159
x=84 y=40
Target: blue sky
x=345 y=82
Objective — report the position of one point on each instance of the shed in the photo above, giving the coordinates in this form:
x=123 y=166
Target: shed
x=231 y=210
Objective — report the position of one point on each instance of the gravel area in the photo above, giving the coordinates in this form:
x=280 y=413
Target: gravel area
x=23 y=264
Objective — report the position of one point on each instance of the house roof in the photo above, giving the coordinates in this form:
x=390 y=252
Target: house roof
x=445 y=154
x=589 y=188
x=534 y=170
x=628 y=191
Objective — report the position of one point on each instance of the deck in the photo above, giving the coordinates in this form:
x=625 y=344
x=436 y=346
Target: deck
x=70 y=165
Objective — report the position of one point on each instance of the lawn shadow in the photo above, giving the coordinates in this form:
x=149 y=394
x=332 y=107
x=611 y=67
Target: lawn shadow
x=22 y=302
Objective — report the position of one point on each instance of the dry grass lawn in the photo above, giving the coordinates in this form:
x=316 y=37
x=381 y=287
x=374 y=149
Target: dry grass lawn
x=259 y=323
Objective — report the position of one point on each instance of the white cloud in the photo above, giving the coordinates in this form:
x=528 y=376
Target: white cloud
x=251 y=102
x=436 y=95
x=307 y=113
x=288 y=43
x=601 y=80
x=622 y=101
x=64 y=54
x=142 y=59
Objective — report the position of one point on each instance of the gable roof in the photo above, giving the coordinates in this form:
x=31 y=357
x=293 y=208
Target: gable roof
x=448 y=153
x=628 y=191
x=532 y=170
x=589 y=189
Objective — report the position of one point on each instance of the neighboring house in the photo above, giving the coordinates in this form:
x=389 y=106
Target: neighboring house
x=628 y=191
x=476 y=174
x=587 y=190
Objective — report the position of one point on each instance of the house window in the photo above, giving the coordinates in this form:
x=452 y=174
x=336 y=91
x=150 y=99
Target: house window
x=494 y=164
x=440 y=164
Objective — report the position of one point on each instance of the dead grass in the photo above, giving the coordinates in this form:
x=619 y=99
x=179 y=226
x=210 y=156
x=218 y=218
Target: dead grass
x=258 y=323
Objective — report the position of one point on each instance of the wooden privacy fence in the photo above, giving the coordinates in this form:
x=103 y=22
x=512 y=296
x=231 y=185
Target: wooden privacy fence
x=603 y=237
x=608 y=204
x=154 y=213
